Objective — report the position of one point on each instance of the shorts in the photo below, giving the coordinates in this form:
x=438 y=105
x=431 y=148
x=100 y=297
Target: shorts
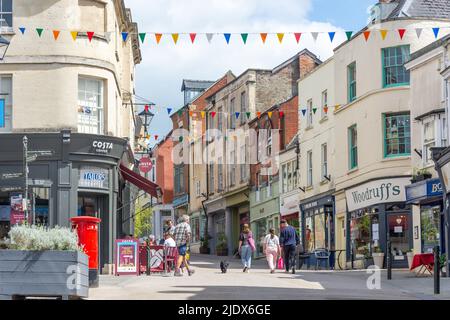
x=182 y=250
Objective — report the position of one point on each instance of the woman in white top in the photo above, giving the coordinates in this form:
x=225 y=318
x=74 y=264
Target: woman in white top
x=272 y=249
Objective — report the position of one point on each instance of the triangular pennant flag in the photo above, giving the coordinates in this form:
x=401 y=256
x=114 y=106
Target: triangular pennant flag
x=209 y=37
x=383 y=33
x=124 y=36
x=297 y=36
x=56 y=34
x=331 y=34
x=325 y=109
x=146 y=107
x=269 y=113
x=142 y=36
x=349 y=34
x=169 y=110
x=191 y=113
x=419 y=32
x=436 y=32
x=213 y=114
x=39 y=31
x=248 y=115
x=314 y=35
x=74 y=35
x=203 y=114
x=281 y=113
x=263 y=37
x=180 y=139
x=258 y=114
x=90 y=35
x=244 y=37
x=366 y=35
x=148 y=137
x=227 y=37
x=401 y=33
x=280 y=37
x=175 y=37
x=304 y=112
x=158 y=37
x=22 y=30
x=156 y=137
x=180 y=113
x=314 y=110
x=192 y=36
x=237 y=114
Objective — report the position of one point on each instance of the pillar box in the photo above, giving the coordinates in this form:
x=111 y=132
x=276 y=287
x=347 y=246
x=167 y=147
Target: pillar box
x=87 y=230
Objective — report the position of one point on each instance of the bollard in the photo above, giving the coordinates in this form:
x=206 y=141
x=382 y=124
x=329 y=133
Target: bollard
x=389 y=261
x=437 y=271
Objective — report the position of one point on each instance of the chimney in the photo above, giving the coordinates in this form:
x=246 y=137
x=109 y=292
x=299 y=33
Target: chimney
x=386 y=1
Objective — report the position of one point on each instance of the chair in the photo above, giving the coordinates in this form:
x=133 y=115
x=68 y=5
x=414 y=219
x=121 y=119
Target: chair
x=170 y=258
x=322 y=255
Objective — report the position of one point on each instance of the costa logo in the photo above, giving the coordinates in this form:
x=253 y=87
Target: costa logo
x=102 y=146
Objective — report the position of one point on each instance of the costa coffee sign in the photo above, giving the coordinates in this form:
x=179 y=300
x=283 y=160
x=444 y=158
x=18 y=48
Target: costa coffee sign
x=145 y=165
x=102 y=146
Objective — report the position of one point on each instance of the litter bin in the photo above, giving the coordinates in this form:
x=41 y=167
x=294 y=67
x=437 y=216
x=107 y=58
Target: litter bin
x=87 y=229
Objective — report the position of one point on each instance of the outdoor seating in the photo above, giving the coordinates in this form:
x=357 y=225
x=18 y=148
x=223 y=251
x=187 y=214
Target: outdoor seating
x=170 y=258
x=322 y=255
x=425 y=261
x=302 y=258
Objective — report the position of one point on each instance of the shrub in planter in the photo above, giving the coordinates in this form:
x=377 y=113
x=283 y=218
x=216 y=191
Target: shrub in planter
x=222 y=247
x=43 y=262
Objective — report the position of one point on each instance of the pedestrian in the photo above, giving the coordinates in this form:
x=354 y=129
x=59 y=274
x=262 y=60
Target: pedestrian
x=168 y=241
x=169 y=227
x=151 y=240
x=182 y=235
x=272 y=249
x=288 y=241
x=246 y=247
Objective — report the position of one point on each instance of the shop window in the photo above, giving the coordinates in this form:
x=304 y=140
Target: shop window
x=353 y=147
x=269 y=183
x=284 y=177
x=6 y=16
x=364 y=233
x=351 y=74
x=319 y=230
x=309 y=106
x=430 y=226
x=259 y=233
x=444 y=132
x=41 y=206
x=397 y=135
x=6 y=104
x=90 y=106
x=394 y=71
x=219 y=119
x=309 y=234
x=258 y=187
x=195 y=229
x=269 y=142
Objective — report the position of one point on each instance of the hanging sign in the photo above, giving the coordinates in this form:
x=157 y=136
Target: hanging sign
x=126 y=257
x=17 y=209
x=145 y=165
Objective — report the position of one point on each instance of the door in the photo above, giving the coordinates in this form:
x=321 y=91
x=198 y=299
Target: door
x=340 y=241
x=399 y=232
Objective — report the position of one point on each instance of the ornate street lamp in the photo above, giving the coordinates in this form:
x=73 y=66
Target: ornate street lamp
x=4 y=44
x=146 y=117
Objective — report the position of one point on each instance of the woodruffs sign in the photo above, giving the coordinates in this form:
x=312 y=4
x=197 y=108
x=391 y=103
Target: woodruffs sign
x=378 y=191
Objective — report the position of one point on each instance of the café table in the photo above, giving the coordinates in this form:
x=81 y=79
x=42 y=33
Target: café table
x=423 y=260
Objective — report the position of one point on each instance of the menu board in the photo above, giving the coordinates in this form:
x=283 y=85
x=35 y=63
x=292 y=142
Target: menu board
x=17 y=210
x=126 y=257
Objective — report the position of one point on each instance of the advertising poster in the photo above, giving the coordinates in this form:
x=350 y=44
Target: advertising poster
x=127 y=257
x=17 y=212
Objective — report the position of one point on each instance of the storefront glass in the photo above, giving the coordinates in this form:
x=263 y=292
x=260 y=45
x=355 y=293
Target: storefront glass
x=259 y=232
x=398 y=226
x=365 y=232
x=429 y=224
x=319 y=228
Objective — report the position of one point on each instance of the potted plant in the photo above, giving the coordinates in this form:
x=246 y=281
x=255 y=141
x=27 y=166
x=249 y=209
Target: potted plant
x=222 y=247
x=43 y=262
x=443 y=264
x=378 y=257
x=410 y=257
x=367 y=258
x=420 y=175
x=204 y=245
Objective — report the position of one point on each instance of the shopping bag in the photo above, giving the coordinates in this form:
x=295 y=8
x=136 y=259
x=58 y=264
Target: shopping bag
x=251 y=243
x=280 y=264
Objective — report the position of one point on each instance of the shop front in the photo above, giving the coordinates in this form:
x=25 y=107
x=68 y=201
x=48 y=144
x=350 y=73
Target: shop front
x=198 y=222
x=180 y=206
x=289 y=210
x=215 y=209
x=377 y=212
x=426 y=198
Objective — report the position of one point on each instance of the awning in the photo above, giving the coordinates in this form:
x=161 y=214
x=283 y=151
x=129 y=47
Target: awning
x=139 y=181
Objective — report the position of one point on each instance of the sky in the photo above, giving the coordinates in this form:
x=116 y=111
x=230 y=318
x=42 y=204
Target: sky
x=165 y=65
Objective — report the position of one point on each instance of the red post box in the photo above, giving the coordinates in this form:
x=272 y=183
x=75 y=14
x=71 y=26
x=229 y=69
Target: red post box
x=87 y=230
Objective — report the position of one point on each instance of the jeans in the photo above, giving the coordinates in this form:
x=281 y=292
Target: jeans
x=289 y=256
x=271 y=256
x=246 y=256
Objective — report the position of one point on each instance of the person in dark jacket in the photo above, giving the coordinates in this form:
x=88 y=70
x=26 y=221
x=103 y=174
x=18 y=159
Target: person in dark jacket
x=289 y=241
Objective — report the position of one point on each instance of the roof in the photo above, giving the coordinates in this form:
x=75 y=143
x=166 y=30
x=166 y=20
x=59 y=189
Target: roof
x=439 y=43
x=436 y=9
x=289 y=61
x=292 y=143
x=196 y=84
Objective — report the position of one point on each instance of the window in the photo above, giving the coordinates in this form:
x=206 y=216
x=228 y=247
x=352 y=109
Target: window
x=351 y=71
x=243 y=108
x=284 y=177
x=324 y=161
x=309 y=112
x=90 y=106
x=219 y=119
x=6 y=16
x=324 y=103
x=289 y=176
x=394 y=71
x=353 y=147
x=220 y=175
x=429 y=141
x=243 y=166
x=5 y=103
x=195 y=228
x=444 y=134
x=179 y=179
x=211 y=178
x=258 y=187
x=197 y=188
x=269 y=142
x=397 y=138
x=269 y=183
x=232 y=115
x=232 y=177
x=430 y=225
x=309 y=165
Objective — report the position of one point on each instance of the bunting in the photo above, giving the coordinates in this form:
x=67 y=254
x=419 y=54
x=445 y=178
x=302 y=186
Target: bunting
x=237 y=114
x=281 y=113
x=142 y=36
x=192 y=36
x=331 y=35
x=418 y=32
x=269 y=113
x=203 y=113
x=90 y=35
x=244 y=37
x=56 y=34
x=39 y=31
x=74 y=35
x=263 y=37
x=366 y=35
x=280 y=37
x=297 y=36
x=175 y=37
x=22 y=30
x=209 y=37
x=314 y=35
x=349 y=34
x=258 y=114
x=169 y=110
x=436 y=32
x=158 y=37
x=383 y=34
x=227 y=37
x=213 y=114
x=124 y=36
x=248 y=115
x=401 y=33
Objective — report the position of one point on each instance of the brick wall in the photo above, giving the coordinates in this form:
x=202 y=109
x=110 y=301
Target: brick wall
x=164 y=169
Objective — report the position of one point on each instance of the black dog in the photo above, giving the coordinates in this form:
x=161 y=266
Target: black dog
x=224 y=266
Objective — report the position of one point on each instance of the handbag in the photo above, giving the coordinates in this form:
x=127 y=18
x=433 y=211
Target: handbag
x=251 y=243
x=280 y=264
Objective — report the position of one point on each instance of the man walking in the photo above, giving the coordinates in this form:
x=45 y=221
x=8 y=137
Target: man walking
x=288 y=241
x=182 y=235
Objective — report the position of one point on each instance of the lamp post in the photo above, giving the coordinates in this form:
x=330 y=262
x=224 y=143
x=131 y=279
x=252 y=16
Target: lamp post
x=146 y=117
x=25 y=171
x=4 y=45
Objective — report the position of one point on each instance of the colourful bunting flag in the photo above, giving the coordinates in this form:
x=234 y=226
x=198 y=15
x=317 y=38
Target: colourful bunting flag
x=90 y=35
x=349 y=34
x=383 y=34
x=263 y=37
x=209 y=37
x=237 y=114
x=331 y=34
x=22 y=30
x=39 y=31
x=269 y=113
x=142 y=36
x=156 y=137
x=191 y=113
x=180 y=113
x=401 y=33
x=248 y=115
x=366 y=35
x=314 y=35
x=74 y=35
x=169 y=110
x=258 y=114
x=244 y=37
x=158 y=37
x=325 y=109
x=314 y=110
x=148 y=137
x=304 y=112
x=192 y=36
x=56 y=34
x=203 y=113
x=418 y=32
x=436 y=32
x=280 y=37
x=297 y=36
x=281 y=113
x=180 y=139
x=175 y=37
x=146 y=108
x=124 y=36
x=213 y=114
x=227 y=37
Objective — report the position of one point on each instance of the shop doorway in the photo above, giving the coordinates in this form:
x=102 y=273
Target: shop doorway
x=399 y=233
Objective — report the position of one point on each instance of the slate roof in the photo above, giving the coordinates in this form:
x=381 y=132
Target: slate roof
x=196 y=84
x=437 y=9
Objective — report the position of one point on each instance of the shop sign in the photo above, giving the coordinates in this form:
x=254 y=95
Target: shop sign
x=376 y=192
x=289 y=205
x=17 y=211
x=423 y=190
x=145 y=165
x=126 y=257
x=102 y=146
x=92 y=177
x=180 y=200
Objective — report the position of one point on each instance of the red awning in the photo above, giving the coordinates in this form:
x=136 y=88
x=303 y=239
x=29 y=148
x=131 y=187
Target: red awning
x=139 y=181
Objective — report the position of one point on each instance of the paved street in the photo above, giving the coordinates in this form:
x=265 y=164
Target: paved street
x=209 y=283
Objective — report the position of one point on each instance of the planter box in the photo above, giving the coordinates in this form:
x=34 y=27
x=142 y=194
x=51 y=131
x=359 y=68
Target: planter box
x=378 y=259
x=222 y=252
x=204 y=250
x=62 y=274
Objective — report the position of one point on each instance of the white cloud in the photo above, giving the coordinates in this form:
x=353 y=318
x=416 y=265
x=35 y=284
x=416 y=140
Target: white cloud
x=165 y=65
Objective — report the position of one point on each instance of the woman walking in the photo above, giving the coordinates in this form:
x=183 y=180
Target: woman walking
x=246 y=247
x=272 y=249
